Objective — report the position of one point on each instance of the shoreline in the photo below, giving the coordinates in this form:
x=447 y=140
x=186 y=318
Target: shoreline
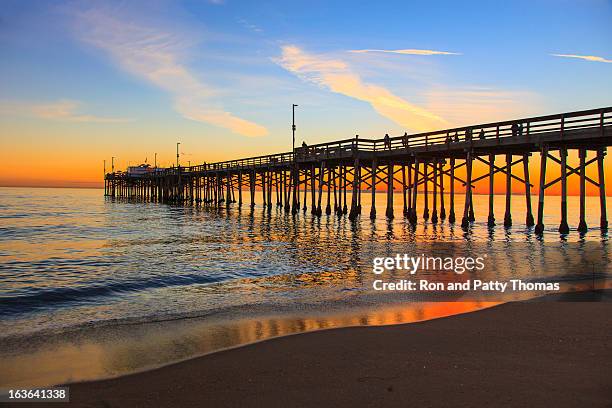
x=554 y=347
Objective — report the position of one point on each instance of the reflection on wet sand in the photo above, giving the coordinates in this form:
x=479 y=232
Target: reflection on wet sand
x=120 y=350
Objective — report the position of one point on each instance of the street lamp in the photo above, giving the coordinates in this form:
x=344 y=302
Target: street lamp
x=113 y=164
x=177 y=153
x=293 y=126
x=155 y=160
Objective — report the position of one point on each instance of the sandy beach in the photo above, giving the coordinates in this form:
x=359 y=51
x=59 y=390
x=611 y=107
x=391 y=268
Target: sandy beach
x=537 y=353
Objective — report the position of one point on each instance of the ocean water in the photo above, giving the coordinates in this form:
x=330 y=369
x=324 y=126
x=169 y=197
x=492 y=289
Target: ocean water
x=75 y=264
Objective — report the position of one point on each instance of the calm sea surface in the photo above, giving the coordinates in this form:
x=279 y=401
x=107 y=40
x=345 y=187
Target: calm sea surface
x=76 y=266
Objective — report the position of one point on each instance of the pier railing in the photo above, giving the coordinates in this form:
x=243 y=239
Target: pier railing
x=526 y=127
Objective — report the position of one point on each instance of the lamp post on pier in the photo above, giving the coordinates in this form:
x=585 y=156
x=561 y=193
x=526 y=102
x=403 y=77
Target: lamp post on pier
x=293 y=127
x=113 y=164
x=177 y=153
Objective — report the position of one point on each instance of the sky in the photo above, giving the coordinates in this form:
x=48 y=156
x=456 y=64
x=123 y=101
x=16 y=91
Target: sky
x=84 y=81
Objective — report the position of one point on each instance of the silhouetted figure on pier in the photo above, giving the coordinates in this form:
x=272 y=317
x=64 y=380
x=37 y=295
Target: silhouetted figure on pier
x=456 y=137
x=405 y=140
x=387 y=141
x=468 y=134
x=520 y=129
x=481 y=135
x=515 y=129
x=449 y=139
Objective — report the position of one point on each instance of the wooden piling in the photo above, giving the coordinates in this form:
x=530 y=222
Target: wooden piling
x=468 y=191
x=539 y=229
x=508 y=213
x=441 y=173
x=434 y=213
x=563 y=226
x=451 y=213
x=491 y=217
x=305 y=189
x=321 y=170
x=373 y=174
x=425 y=190
x=389 y=211
x=355 y=193
x=413 y=214
x=405 y=211
x=582 y=225
x=529 y=218
x=328 y=184
x=344 y=188
x=313 y=191
x=602 y=189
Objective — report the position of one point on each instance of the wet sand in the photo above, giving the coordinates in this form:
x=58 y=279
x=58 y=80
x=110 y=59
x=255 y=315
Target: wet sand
x=536 y=353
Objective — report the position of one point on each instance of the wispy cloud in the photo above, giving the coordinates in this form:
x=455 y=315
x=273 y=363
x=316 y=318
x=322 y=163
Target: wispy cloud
x=250 y=26
x=583 y=57
x=62 y=110
x=473 y=104
x=155 y=56
x=337 y=76
x=407 y=52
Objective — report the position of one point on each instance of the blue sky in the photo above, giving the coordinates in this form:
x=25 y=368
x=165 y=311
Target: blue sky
x=220 y=76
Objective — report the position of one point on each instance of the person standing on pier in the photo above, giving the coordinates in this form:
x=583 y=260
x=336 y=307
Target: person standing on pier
x=387 y=141
x=515 y=129
x=468 y=134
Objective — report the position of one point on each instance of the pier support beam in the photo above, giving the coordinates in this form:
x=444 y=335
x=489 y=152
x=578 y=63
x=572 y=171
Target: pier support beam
x=539 y=229
x=321 y=170
x=451 y=214
x=529 y=219
x=468 y=191
x=329 y=179
x=413 y=210
x=508 y=213
x=425 y=185
x=295 y=207
x=252 y=188
x=409 y=192
x=240 y=189
x=582 y=225
x=305 y=190
x=563 y=226
x=313 y=191
x=355 y=193
x=442 y=208
x=491 y=217
x=434 y=214
x=373 y=174
x=389 y=211
x=405 y=210
x=602 y=189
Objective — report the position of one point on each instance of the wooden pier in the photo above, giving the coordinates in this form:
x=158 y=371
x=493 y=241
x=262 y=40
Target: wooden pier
x=332 y=177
